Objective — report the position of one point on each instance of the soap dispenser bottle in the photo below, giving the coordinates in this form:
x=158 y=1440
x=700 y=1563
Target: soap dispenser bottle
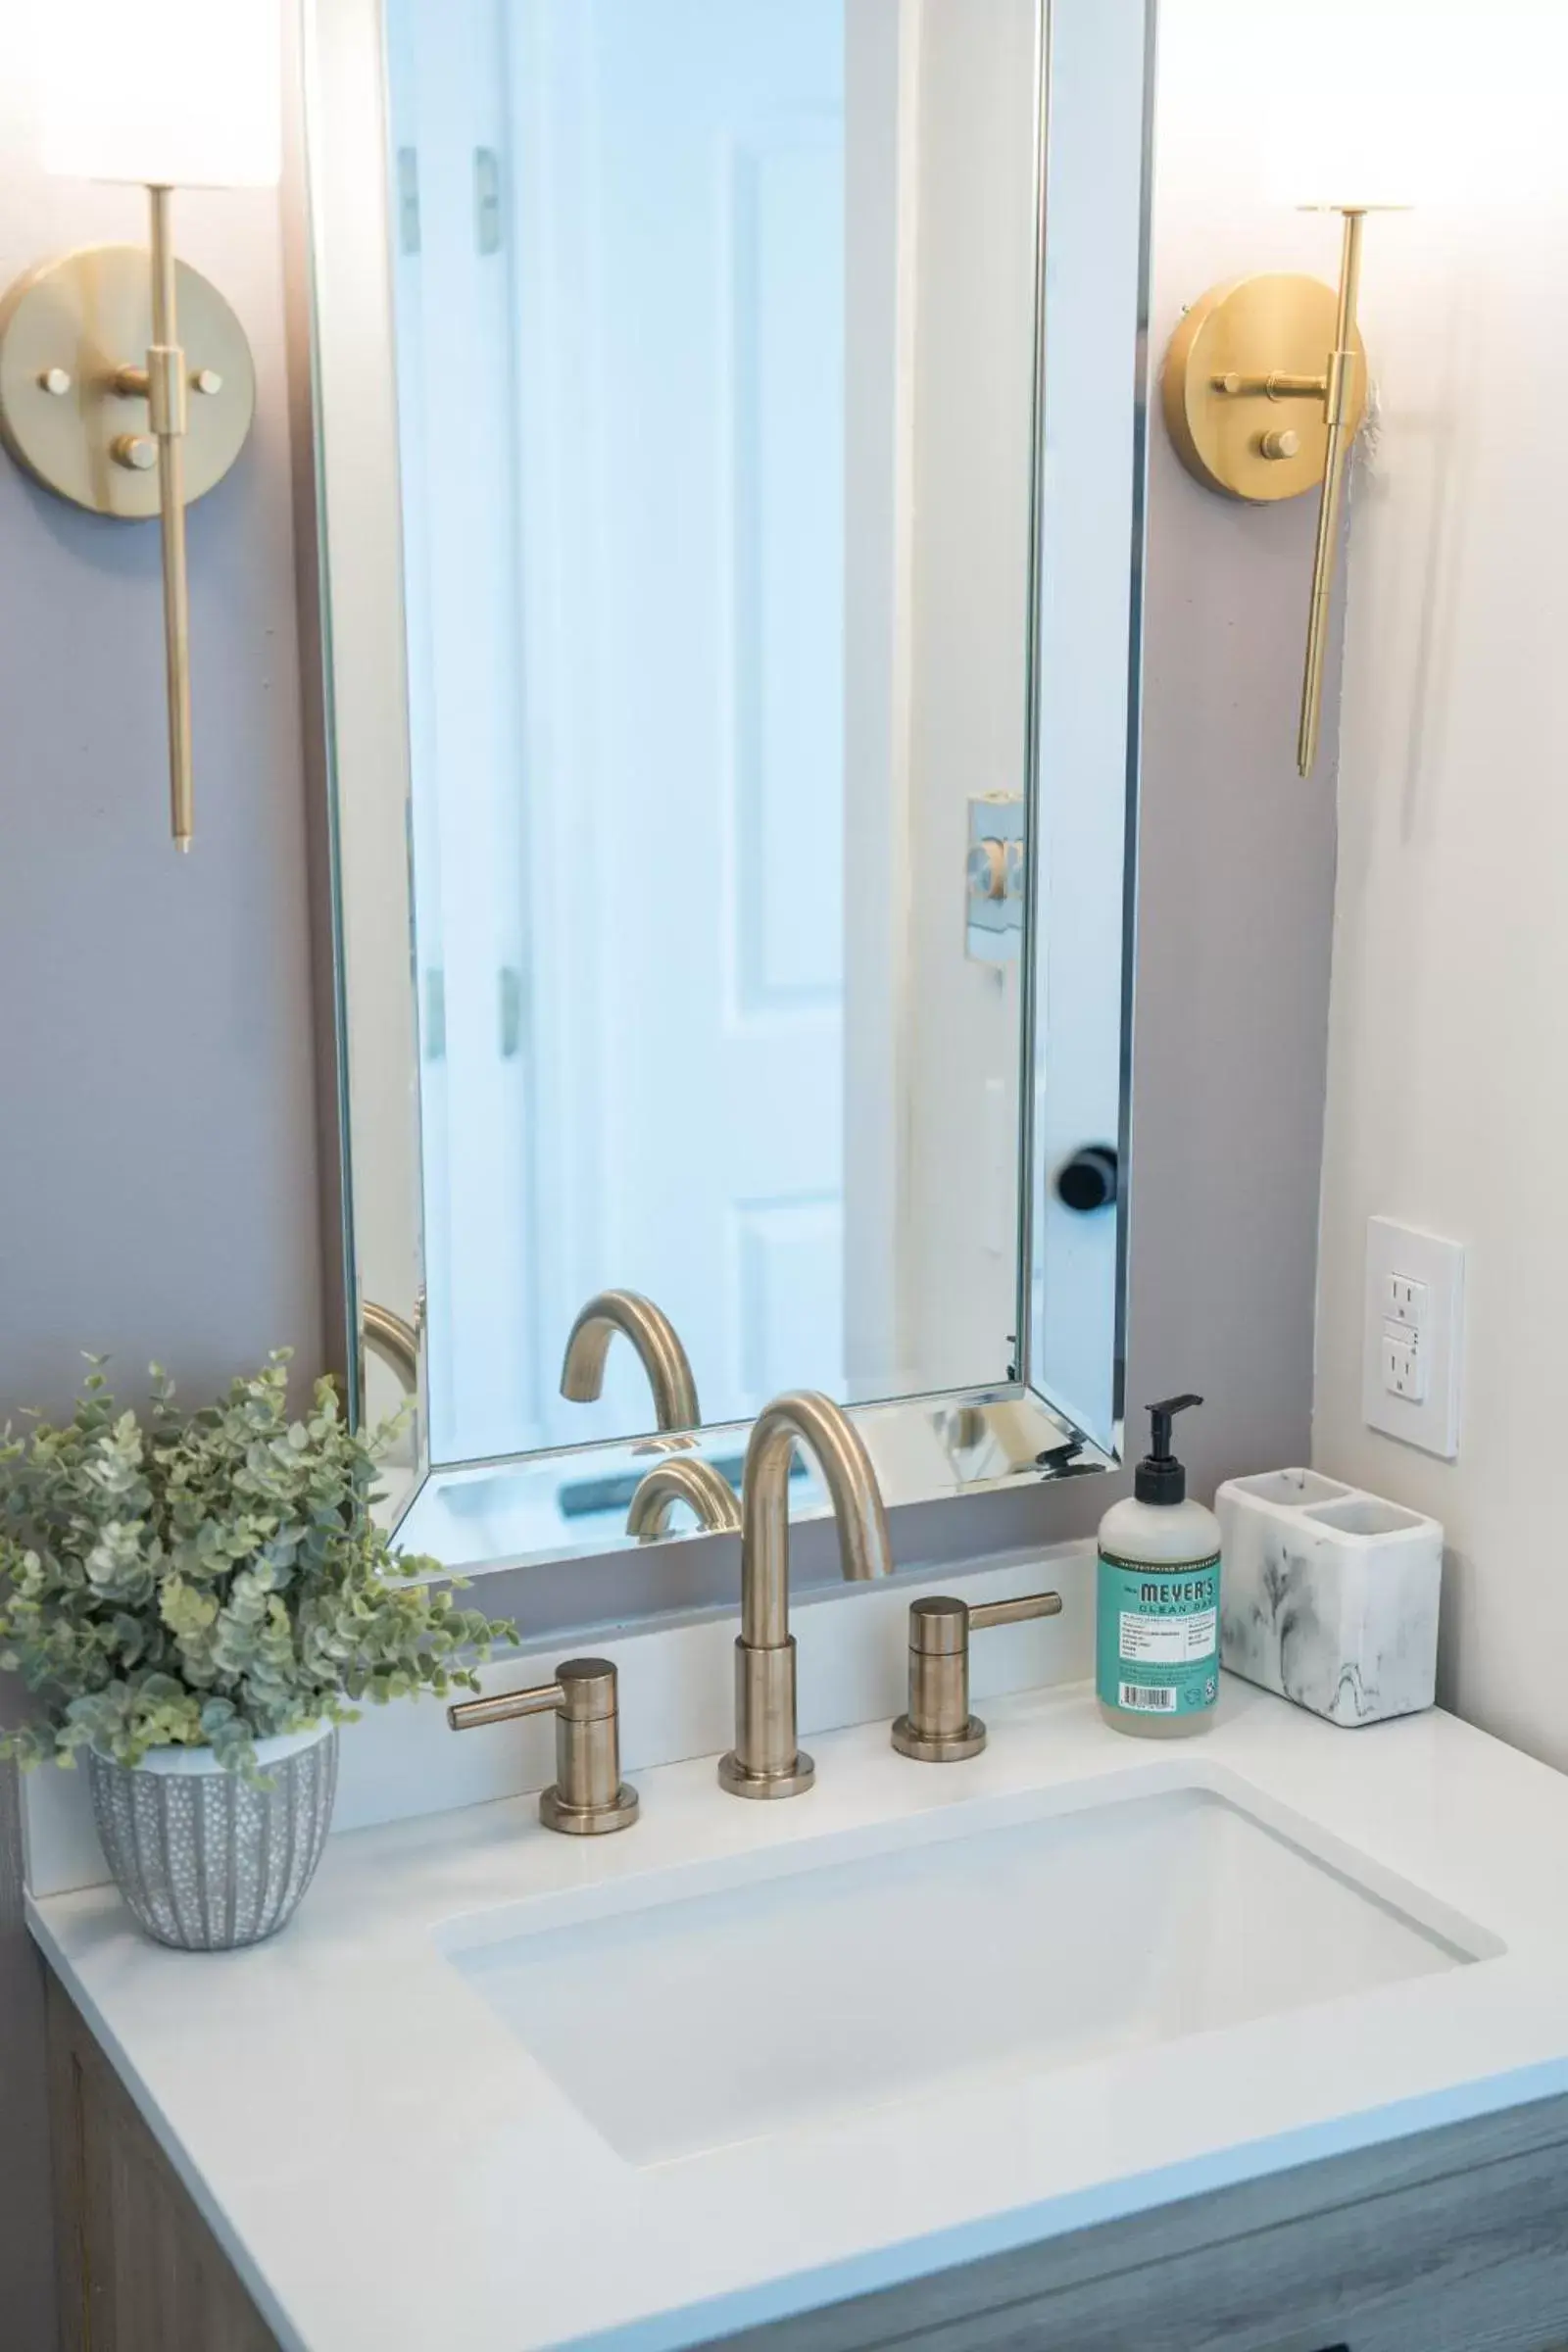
x=1157 y=1642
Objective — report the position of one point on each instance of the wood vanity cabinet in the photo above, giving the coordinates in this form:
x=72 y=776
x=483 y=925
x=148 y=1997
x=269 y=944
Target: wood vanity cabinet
x=136 y=2267
x=1455 y=2241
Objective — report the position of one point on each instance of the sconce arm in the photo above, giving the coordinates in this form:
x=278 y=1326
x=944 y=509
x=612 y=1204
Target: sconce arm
x=1276 y=386
x=165 y=403
x=1338 y=408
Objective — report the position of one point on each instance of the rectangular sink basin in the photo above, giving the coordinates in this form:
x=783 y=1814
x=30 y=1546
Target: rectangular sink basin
x=678 y=2021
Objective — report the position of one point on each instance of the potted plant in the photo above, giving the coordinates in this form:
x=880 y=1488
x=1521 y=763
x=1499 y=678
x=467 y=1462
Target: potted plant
x=199 y=1600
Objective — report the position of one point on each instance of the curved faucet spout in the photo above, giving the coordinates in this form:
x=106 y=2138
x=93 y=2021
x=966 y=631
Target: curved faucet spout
x=826 y=1432
x=765 y=1760
x=685 y=1478
x=657 y=1342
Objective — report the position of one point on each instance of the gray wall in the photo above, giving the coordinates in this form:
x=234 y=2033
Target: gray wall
x=157 y=1188
x=158 y=1167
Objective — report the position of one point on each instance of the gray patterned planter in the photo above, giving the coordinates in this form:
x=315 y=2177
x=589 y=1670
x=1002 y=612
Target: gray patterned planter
x=206 y=1861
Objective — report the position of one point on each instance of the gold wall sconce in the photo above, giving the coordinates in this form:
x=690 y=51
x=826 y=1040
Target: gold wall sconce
x=1264 y=385
x=127 y=383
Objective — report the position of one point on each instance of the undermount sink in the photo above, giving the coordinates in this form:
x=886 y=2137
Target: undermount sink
x=679 y=2022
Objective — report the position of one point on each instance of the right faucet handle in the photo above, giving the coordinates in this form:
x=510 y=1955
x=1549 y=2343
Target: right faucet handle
x=939 y=1728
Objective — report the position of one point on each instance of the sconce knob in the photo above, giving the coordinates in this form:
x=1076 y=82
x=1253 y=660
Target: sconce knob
x=1280 y=444
x=207 y=381
x=136 y=451
x=56 y=381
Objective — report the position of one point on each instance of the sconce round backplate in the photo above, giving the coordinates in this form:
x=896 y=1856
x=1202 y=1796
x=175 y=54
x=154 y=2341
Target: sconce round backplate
x=1222 y=416
x=66 y=332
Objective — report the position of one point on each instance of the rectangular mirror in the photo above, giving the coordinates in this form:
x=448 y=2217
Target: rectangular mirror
x=730 y=431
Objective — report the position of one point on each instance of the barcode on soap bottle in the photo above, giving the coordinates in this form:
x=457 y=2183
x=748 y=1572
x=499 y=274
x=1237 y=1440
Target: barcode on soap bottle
x=1152 y=1696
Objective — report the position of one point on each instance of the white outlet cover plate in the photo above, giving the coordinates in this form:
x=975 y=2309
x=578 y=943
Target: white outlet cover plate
x=1430 y=1422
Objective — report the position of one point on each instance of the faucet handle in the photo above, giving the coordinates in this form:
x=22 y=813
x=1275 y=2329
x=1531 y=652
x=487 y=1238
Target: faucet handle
x=939 y=1728
x=588 y=1797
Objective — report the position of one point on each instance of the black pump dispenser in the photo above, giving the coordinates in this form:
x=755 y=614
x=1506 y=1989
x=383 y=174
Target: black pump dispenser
x=1159 y=1476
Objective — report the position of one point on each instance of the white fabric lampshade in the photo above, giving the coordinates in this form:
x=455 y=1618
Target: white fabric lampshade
x=177 y=93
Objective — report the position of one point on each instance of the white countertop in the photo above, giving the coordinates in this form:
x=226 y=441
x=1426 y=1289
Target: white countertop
x=388 y=2167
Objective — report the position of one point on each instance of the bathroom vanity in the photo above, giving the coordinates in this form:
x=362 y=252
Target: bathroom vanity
x=729 y=436
x=1450 y=2238
x=1262 y=2042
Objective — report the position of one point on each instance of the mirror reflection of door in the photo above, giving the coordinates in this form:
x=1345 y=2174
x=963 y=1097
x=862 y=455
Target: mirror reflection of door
x=680 y=341
x=714 y=366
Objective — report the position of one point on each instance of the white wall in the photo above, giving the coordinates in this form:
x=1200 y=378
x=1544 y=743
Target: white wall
x=1447 y=1101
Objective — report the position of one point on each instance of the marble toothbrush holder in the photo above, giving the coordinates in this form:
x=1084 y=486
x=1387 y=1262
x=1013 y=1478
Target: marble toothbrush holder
x=1329 y=1595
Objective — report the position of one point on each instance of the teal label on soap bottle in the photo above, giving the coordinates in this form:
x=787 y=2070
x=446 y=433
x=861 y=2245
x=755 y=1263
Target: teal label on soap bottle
x=1157 y=1636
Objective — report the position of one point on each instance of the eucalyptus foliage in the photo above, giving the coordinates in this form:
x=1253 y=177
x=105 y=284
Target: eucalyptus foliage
x=211 y=1579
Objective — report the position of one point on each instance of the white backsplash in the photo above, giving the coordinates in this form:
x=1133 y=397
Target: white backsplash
x=676 y=1701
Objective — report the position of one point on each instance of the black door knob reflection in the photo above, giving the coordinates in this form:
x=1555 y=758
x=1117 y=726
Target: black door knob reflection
x=1091 y=1179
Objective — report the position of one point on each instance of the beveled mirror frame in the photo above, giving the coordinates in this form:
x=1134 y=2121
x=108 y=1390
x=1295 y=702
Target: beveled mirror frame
x=926 y=1447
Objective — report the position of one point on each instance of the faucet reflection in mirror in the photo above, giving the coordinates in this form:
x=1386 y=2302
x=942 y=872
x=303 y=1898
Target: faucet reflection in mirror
x=185 y=93
x=766 y=1760
x=395 y=1339
x=688 y=1479
x=658 y=1348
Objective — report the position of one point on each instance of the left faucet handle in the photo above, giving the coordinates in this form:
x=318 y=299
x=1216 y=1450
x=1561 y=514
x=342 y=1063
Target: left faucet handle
x=588 y=1797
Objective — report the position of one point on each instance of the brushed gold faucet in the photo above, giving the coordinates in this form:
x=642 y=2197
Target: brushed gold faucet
x=765 y=1760
x=657 y=1342
x=684 y=1478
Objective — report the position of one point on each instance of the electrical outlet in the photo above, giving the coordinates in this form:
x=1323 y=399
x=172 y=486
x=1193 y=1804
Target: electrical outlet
x=1406 y=1300
x=1413 y=1336
x=1404 y=1366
